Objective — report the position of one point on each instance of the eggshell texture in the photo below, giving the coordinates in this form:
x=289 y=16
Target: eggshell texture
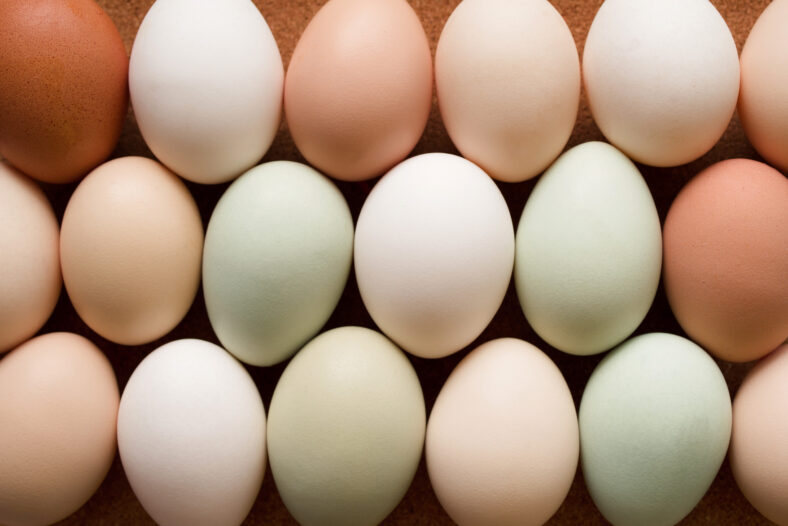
x=29 y=258
x=277 y=257
x=346 y=429
x=191 y=435
x=131 y=245
x=662 y=77
x=206 y=82
x=655 y=421
x=434 y=252
x=763 y=100
x=359 y=87
x=502 y=439
x=58 y=407
x=589 y=250
x=508 y=80
x=758 y=455
x=63 y=87
x=726 y=259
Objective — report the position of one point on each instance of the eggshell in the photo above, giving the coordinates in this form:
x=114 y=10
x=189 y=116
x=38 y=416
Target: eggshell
x=502 y=439
x=29 y=258
x=589 y=251
x=277 y=256
x=346 y=429
x=131 y=245
x=662 y=77
x=758 y=454
x=726 y=259
x=206 y=82
x=359 y=87
x=58 y=406
x=655 y=421
x=508 y=80
x=191 y=435
x=763 y=100
x=434 y=251
x=63 y=87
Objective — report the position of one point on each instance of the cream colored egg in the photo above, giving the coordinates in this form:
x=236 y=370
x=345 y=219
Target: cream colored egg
x=508 y=80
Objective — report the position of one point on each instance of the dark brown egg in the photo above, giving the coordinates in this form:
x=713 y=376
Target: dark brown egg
x=63 y=87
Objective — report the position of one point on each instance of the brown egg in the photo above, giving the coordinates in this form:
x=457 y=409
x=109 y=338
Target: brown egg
x=726 y=259
x=359 y=87
x=63 y=87
x=58 y=409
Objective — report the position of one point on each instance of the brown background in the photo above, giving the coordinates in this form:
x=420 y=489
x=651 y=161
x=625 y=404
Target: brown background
x=115 y=503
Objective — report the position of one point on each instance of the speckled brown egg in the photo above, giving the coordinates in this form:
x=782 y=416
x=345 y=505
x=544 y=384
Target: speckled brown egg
x=63 y=87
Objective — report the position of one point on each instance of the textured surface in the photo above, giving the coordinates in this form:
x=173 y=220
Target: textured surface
x=115 y=504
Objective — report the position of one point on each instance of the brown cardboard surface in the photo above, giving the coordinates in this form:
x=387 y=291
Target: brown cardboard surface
x=115 y=503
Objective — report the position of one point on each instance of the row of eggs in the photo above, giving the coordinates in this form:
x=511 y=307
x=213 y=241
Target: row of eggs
x=663 y=80
x=347 y=426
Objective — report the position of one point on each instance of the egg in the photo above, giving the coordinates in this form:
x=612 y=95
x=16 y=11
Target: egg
x=589 y=250
x=29 y=258
x=277 y=256
x=726 y=259
x=63 y=87
x=358 y=88
x=662 y=78
x=191 y=435
x=346 y=429
x=434 y=251
x=58 y=407
x=206 y=82
x=758 y=456
x=507 y=75
x=131 y=245
x=655 y=421
x=502 y=439
x=763 y=100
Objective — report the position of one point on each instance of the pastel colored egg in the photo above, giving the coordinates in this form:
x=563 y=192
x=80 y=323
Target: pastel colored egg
x=29 y=258
x=359 y=87
x=434 y=252
x=277 y=256
x=508 y=81
x=662 y=77
x=191 y=435
x=655 y=421
x=502 y=438
x=726 y=259
x=58 y=407
x=589 y=250
x=206 y=82
x=346 y=429
x=131 y=245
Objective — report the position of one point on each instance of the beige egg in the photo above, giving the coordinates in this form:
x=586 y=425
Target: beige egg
x=131 y=248
x=58 y=408
x=29 y=258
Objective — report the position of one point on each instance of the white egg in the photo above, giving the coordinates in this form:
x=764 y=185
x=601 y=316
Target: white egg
x=589 y=250
x=206 y=81
x=434 y=251
x=662 y=77
x=191 y=435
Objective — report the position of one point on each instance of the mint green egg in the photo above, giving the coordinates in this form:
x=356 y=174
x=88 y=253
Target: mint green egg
x=277 y=255
x=655 y=422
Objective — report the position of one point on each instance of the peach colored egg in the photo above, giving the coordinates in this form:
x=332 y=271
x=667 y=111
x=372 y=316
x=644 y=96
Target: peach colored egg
x=763 y=100
x=758 y=454
x=29 y=258
x=63 y=87
x=58 y=408
x=508 y=81
x=131 y=248
x=359 y=87
x=726 y=259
